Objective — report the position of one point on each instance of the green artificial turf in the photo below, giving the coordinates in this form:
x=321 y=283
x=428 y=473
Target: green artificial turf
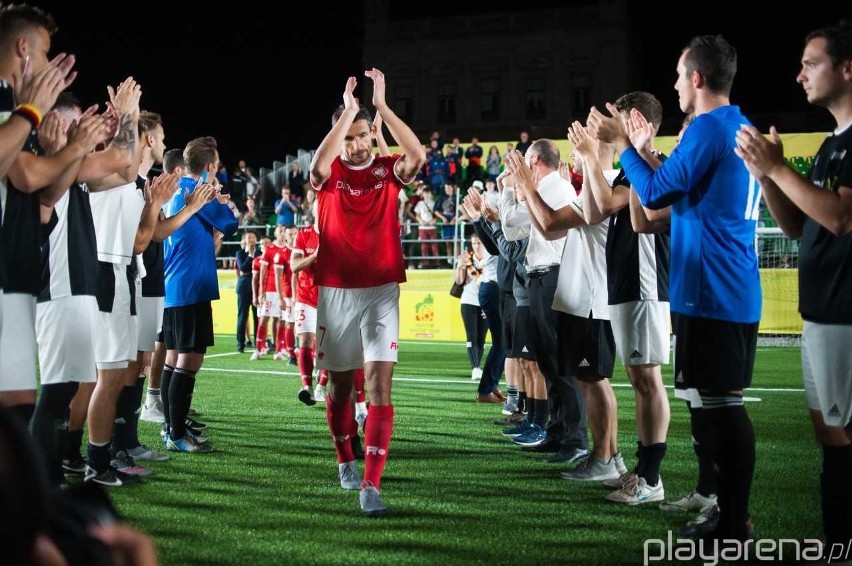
x=458 y=492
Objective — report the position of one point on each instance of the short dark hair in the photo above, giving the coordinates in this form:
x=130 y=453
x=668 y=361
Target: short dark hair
x=838 y=41
x=148 y=121
x=546 y=151
x=16 y=19
x=363 y=114
x=172 y=159
x=644 y=102
x=715 y=60
x=199 y=153
x=66 y=101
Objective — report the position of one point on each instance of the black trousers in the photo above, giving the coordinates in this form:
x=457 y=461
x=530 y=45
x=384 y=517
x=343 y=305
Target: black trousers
x=243 y=307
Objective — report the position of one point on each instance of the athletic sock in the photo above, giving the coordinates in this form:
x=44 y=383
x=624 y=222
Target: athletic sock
x=654 y=455
x=290 y=340
x=98 y=456
x=340 y=424
x=377 y=437
x=522 y=401
x=180 y=399
x=50 y=425
x=306 y=366
x=153 y=396
x=704 y=451
x=541 y=412
x=165 y=386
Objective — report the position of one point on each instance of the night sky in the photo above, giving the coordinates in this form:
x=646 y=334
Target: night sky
x=265 y=82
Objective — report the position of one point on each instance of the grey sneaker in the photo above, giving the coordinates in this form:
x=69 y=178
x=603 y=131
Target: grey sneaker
x=349 y=478
x=153 y=413
x=142 y=452
x=619 y=482
x=510 y=406
x=371 y=502
x=126 y=465
x=692 y=502
x=592 y=469
x=619 y=463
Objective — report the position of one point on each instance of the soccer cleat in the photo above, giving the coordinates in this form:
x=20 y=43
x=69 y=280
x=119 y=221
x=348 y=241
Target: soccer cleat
x=619 y=482
x=319 y=394
x=592 y=469
x=255 y=356
x=371 y=502
x=189 y=444
x=692 y=502
x=153 y=413
x=293 y=361
x=194 y=425
x=144 y=453
x=619 y=463
x=533 y=437
x=704 y=524
x=109 y=478
x=75 y=466
x=348 y=474
x=514 y=431
x=278 y=357
x=636 y=492
x=306 y=397
x=510 y=406
x=199 y=438
x=475 y=374
x=126 y=465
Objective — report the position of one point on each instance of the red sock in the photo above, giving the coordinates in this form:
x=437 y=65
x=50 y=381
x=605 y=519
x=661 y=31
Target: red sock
x=290 y=340
x=340 y=423
x=261 y=338
x=280 y=341
x=377 y=442
x=323 y=377
x=306 y=366
x=358 y=383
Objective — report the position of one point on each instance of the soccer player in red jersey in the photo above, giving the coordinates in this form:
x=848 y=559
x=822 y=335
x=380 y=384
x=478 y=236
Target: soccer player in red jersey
x=358 y=304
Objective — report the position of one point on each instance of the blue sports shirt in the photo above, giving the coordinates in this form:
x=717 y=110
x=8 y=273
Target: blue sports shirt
x=715 y=205
x=190 y=264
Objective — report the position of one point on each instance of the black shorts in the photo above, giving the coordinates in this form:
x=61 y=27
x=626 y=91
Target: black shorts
x=713 y=355
x=507 y=316
x=586 y=346
x=521 y=342
x=188 y=329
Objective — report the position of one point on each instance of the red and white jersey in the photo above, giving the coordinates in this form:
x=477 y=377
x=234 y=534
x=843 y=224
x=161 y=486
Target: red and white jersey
x=286 y=272
x=358 y=226
x=271 y=257
x=307 y=242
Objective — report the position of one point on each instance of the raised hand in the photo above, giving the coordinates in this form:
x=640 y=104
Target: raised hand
x=606 y=128
x=42 y=89
x=125 y=98
x=471 y=209
x=349 y=100
x=202 y=194
x=87 y=132
x=378 y=86
x=53 y=132
x=521 y=172
x=640 y=131
x=584 y=144
x=761 y=156
x=161 y=189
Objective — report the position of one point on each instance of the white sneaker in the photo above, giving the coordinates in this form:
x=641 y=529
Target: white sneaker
x=153 y=413
x=636 y=491
x=476 y=374
x=371 y=502
x=348 y=474
x=278 y=357
x=319 y=394
x=255 y=355
x=692 y=502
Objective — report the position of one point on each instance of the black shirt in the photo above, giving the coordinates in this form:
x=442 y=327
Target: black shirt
x=825 y=260
x=637 y=265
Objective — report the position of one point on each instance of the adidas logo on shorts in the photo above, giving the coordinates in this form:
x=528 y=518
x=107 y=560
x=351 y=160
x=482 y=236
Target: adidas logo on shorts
x=584 y=363
x=524 y=350
x=834 y=412
x=635 y=355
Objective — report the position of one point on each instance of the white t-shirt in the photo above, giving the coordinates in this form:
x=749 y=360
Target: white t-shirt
x=116 y=213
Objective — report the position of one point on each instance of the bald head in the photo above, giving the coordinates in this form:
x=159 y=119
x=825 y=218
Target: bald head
x=546 y=151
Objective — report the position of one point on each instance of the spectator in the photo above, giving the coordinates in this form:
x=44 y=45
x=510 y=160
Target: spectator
x=474 y=161
x=251 y=216
x=437 y=168
x=454 y=161
x=426 y=228
x=493 y=163
x=286 y=208
x=524 y=142
x=297 y=182
x=468 y=267
x=445 y=210
x=308 y=207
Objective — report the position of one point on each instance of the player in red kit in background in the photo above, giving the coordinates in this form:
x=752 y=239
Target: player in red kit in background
x=358 y=309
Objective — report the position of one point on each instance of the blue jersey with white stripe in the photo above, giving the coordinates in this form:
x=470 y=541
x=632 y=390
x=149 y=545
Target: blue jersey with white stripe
x=714 y=215
x=190 y=264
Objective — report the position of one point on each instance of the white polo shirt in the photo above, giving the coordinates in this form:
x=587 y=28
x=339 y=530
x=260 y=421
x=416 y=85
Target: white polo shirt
x=556 y=193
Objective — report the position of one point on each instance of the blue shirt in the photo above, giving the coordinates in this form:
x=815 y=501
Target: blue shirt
x=286 y=216
x=714 y=215
x=190 y=265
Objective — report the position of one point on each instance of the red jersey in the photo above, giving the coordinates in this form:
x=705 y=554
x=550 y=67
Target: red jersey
x=272 y=257
x=307 y=241
x=359 y=226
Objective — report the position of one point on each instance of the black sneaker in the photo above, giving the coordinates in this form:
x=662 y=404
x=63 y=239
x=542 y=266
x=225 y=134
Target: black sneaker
x=293 y=361
x=110 y=478
x=306 y=396
x=196 y=426
x=75 y=466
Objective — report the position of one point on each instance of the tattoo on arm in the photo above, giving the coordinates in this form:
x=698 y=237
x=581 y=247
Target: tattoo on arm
x=125 y=137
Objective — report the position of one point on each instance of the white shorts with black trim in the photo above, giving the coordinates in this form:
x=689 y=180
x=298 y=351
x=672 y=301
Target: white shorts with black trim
x=149 y=319
x=306 y=318
x=355 y=326
x=641 y=330
x=65 y=330
x=827 y=371
x=17 y=342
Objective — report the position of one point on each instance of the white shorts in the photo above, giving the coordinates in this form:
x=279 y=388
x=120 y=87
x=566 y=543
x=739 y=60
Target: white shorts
x=65 y=330
x=355 y=326
x=827 y=371
x=289 y=312
x=149 y=318
x=116 y=338
x=306 y=318
x=269 y=306
x=641 y=330
x=17 y=342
